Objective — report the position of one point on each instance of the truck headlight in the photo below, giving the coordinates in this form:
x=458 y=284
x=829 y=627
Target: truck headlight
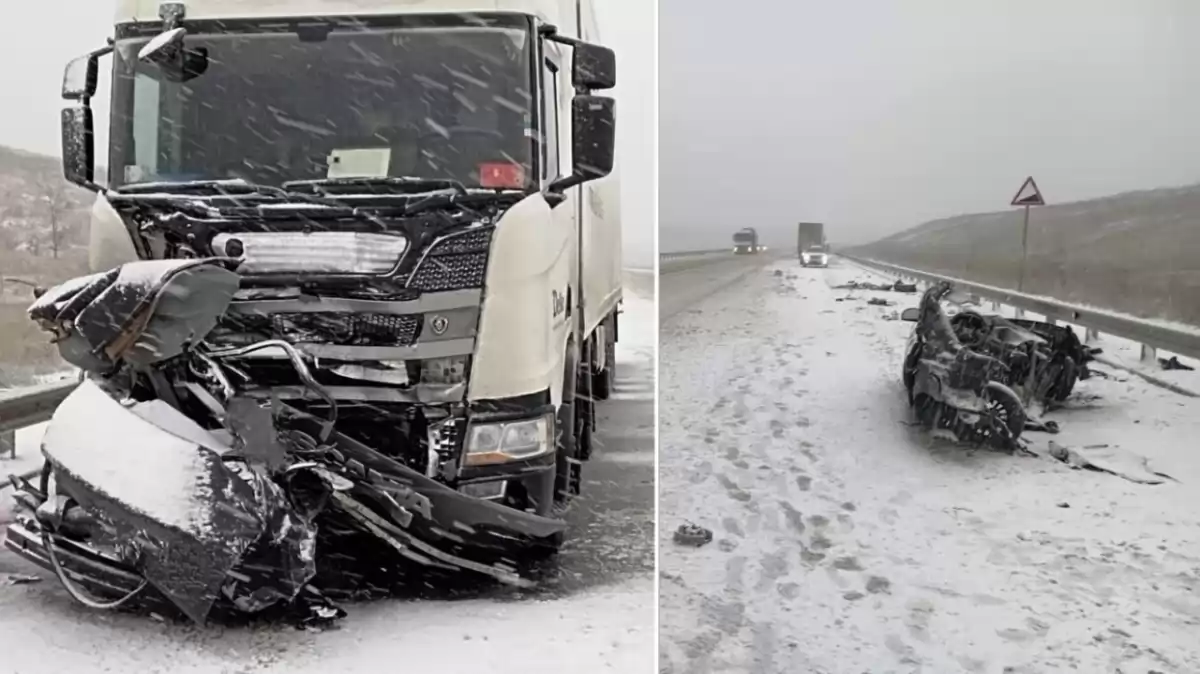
x=500 y=442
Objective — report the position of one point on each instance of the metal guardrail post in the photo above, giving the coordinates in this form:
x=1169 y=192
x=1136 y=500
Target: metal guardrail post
x=8 y=443
x=1149 y=355
x=1091 y=336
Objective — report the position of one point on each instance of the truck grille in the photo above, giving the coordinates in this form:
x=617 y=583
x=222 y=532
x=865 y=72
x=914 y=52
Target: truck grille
x=341 y=328
x=455 y=263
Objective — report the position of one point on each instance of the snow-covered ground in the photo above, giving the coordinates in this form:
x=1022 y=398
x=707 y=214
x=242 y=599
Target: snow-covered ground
x=598 y=618
x=848 y=541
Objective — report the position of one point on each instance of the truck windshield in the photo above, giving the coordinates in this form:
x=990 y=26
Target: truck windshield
x=430 y=101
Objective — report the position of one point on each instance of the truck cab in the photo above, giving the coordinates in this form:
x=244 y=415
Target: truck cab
x=420 y=196
x=745 y=242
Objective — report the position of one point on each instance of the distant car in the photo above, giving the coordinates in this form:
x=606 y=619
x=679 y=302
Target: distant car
x=814 y=256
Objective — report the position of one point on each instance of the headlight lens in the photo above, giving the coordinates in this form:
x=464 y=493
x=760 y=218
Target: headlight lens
x=500 y=442
x=320 y=252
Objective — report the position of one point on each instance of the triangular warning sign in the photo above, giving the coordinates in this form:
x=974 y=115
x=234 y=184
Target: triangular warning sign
x=1029 y=194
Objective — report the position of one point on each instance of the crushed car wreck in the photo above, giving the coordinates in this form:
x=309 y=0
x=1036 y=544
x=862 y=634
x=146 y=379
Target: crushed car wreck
x=979 y=375
x=331 y=376
x=160 y=465
x=954 y=388
x=1044 y=360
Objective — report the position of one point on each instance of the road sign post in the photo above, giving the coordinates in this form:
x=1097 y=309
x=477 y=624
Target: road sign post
x=1028 y=195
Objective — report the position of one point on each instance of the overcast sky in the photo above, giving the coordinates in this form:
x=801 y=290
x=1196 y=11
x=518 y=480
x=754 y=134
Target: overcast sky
x=32 y=75
x=875 y=115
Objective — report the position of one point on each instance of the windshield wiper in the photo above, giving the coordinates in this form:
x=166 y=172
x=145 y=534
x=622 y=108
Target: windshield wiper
x=385 y=185
x=232 y=187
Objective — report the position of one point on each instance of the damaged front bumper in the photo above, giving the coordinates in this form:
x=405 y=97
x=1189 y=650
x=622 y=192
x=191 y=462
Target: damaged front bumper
x=418 y=524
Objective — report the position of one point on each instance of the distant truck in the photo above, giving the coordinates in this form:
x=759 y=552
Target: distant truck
x=810 y=244
x=745 y=242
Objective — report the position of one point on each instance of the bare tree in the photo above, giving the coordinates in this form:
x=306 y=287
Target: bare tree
x=54 y=202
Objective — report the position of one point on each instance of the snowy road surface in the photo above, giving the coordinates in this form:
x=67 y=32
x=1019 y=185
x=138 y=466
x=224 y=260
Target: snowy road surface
x=595 y=612
x=846 y=541
x=684 y=282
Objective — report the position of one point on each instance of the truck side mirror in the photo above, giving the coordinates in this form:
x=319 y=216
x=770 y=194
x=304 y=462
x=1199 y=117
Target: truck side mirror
x=78 y=137
x=80 y=77
x=593 y=67
x=593 y=140
x=79 y=146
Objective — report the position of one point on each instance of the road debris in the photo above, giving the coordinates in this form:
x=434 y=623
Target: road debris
x=693 y=535
x=1173 y=363
x=18 y=579
x=898 y=286
x=1109 y=459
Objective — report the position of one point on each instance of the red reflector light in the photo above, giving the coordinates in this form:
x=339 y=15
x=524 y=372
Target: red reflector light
x=501 y=175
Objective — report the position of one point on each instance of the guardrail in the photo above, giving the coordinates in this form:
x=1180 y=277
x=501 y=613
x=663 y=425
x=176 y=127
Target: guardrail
x=1152 y=335
x=27 y=406
x=684 y=254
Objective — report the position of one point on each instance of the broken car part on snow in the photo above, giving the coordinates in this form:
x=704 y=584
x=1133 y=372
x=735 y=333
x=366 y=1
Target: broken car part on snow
x=898 y=286
x=316 y=368
x=976 y=375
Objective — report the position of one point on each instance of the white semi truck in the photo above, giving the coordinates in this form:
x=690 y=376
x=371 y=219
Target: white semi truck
x=422 y=198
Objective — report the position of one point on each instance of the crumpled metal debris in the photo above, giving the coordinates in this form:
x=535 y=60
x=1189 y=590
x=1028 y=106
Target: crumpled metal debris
x=692 y=535
x=1109 y=459
x=898 y=286
x=166 y=486
x=1173 y=363
x=18 y=579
